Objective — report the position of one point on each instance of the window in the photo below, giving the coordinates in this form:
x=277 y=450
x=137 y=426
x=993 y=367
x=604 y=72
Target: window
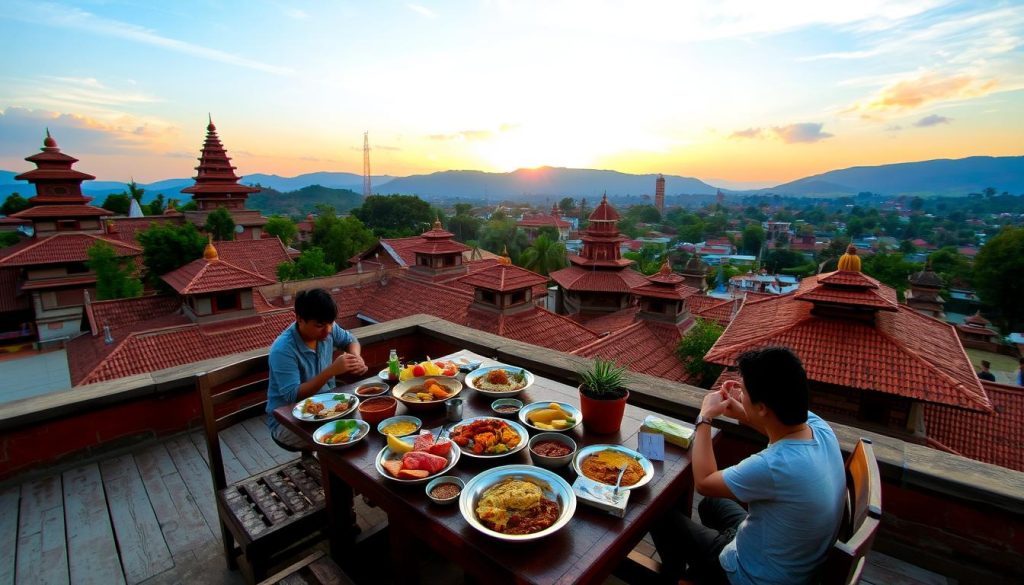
x=226 y=302
x=488 y=297
x=77 y=268
x=517 y=297
x=65 y=225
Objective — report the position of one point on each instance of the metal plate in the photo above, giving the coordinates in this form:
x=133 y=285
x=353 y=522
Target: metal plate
x=387 y=454
x=591 y=449
x=329 y=400
x=452 y=384
x=480 y=372
x=524 y=436
x=554 y=487
x=342 y=425
x=573 y=411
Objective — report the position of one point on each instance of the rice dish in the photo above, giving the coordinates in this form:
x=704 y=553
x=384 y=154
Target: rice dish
x=501 y=380
x=516 y=507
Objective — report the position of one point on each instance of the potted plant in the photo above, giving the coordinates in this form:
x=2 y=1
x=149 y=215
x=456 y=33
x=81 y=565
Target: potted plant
x=602 y=396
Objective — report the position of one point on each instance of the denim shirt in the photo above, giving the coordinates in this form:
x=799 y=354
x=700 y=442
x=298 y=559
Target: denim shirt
x=292 y=362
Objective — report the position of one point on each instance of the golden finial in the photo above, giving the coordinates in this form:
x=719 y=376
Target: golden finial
x=850 y=261
x=210 y=253
x=504 y=259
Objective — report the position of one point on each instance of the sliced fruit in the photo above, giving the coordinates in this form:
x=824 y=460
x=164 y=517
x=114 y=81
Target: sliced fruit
x=392 y=467
x=441 y=449
x=545 y=415
x=398 y=445
x=423 y=441
x=560 y=423
x=418 y=371
x=412 y=474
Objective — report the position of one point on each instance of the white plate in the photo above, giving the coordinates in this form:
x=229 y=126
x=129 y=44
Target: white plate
x=524 y=436
x=574 y=412
x=328 y=400
x=339 y=426
x=386 y=454
x=472 y=377
x=553 y=486
x=591 y=449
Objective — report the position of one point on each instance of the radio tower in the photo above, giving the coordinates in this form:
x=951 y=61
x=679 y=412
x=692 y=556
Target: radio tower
x=367 y=190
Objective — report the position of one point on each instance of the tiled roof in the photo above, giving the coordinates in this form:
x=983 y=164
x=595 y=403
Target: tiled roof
x=535 y=325
x=62 y=211
x=996 y=437
x=403 y=296
x=503 y=278
x=126 y=228
x=438 y=247
x=926 y=278
x=902 y=352
x=541 y=220
x=207 y=276
x=721 y=313
x=575 y=278
x=121 y=313
x=609 y=323
x=675 y=291
x=401 y=251
x=157 y=349
x=72 y=247
x=10 y=300
x=604 y=211
x=57 y=282
x=645 y=347
x=847 y=287
x=260 y=256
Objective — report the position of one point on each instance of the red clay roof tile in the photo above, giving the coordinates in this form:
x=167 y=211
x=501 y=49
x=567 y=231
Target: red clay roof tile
x=575 y=278
x=503 y=278
x=645 y=347
x=996 y=437
x=207 y=276
x=72 y=247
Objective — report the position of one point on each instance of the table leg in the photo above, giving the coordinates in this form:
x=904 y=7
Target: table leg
x=341 y=515
x=406 y=548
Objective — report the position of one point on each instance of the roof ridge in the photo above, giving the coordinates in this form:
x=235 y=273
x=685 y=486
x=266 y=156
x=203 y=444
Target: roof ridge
x=769 y=333
x=601 y=340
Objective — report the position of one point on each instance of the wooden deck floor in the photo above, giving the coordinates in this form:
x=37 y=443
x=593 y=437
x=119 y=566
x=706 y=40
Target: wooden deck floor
x=149 y=517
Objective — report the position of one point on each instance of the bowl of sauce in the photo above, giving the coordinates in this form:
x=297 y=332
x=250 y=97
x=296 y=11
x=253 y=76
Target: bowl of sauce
x=552 y=450
x=369 y=389
x=507 y=407
x=445 y=489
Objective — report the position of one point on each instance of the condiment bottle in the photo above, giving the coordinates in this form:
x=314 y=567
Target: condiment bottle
x=393 y=366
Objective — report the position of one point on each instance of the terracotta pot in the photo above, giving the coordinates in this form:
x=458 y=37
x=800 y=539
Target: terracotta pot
x=603 y=417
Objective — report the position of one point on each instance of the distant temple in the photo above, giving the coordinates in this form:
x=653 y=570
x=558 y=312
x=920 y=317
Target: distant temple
x=531 y=223
x=659 y=194
x=924 y=292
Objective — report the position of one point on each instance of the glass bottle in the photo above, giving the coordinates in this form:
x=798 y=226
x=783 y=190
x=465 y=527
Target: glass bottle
x=393 y=366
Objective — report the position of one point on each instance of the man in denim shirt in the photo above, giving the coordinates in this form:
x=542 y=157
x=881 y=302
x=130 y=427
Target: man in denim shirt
x=301 y=358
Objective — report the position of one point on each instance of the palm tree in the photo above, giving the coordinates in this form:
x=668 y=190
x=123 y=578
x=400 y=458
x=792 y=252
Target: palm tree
x=544 y=256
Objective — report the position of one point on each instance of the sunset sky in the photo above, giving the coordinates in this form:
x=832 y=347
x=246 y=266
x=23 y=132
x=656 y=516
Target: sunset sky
x=734 y=92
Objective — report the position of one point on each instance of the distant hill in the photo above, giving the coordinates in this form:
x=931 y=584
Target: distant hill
x=302 y=201
x=543 y=182
x=325 y=179
x=933 y=177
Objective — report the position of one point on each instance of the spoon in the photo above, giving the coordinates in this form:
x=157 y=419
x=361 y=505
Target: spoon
x=618 y=482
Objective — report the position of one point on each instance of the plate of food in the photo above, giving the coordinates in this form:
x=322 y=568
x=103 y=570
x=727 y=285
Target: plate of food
x=499 y=381
x=517 y=503
x=551 y=416
x=324 y=407
x=426 y=392
x=601 y=463
x=489 y=437
x=341 y=433
x=416 y=461
x=447 y=369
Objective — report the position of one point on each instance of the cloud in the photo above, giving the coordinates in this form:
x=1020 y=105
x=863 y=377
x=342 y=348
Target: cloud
x=805 y=132
x=422 y=10
x=24 y=129
x=929 y=88
x=893 y=128
x=466 y=135
x=932 y=120
x=49 y=14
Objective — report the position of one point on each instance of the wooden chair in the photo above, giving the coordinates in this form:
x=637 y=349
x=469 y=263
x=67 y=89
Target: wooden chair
x=863 y=514
x=315 y=569
x=266 y=515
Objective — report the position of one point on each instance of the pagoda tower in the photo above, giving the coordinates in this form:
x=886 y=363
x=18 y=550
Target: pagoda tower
x=217 y=186
x=663 y=297
x=438 y=256
x=599 y=279
x=924 y=292
x=659 y=194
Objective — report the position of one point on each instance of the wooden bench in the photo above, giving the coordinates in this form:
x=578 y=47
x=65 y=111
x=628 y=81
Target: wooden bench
x=270 y=515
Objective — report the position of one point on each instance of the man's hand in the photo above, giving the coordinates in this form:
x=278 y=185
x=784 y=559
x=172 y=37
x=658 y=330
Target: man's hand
x=348 y=363
x=731 y=394
x=714 y=405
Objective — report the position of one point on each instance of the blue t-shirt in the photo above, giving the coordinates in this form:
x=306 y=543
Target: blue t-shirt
x=795 y=491
x=292 y=362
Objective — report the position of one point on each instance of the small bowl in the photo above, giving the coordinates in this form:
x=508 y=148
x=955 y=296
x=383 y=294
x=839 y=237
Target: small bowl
x=370 y=389
x=507 y=403
x=552 y=462
x=441 y=481
x=374 y=410
x=401 y=418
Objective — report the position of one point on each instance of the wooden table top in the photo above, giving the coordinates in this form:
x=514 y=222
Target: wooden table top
x=586 y=550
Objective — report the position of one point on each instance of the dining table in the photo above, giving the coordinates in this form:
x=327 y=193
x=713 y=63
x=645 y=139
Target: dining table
x=586 y=550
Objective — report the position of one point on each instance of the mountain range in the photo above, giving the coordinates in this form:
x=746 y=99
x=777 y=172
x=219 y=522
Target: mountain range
x=935 y=177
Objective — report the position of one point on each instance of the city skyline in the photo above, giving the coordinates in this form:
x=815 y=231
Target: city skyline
x=741 y=94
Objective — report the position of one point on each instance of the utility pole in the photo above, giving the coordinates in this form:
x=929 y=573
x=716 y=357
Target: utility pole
x=367 y=189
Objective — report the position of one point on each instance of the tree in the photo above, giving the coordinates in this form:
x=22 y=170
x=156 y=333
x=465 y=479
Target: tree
x=890 y=269
x=462 y=209
x=855 y=228
x=997 y=270
x=114 y=276
x=753 y=239
x=465 y=227
x=544 y=256
x=648 y=259
x=567 y=204
x=220 y=224
x=916 y=204
x=119 y=203
x=394 y=216
x=954 y=268
x=166 y=247
x=339 y=237
x=13 y=204
x=778 y=259
x=498 y=233
x=692 y=348
x=282 y=227
x=135 y=192
x=156 y=206
x=190 y=206
x=907 y=247
x=9 y=239
x=310 y=264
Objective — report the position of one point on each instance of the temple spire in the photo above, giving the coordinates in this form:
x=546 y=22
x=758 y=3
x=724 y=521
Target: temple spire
x=850 y=261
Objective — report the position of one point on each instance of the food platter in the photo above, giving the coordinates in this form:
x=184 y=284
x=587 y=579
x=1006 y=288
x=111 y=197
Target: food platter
x=552 y=485
x=468 y=451
x=329 y=401
x=386 y=454
x=644 y=462
x=452 y=385
x=474 y=379
x=360 y=427
x=575 y=413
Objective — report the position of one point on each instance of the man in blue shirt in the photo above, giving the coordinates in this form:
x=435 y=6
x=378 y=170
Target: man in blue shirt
x=302 y=358
x=794 y=489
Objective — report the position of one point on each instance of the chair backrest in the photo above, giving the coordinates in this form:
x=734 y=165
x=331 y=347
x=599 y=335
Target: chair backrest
x=863 y=514
x=229 y=395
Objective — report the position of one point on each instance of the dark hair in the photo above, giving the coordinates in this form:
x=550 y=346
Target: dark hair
x=986 y=364
x=315 y=304
x=774 y=376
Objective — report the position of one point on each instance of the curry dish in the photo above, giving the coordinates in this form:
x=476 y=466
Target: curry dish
x=604 y=467
x=515 y=506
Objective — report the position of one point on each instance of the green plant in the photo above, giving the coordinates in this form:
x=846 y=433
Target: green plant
x=603 y=380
